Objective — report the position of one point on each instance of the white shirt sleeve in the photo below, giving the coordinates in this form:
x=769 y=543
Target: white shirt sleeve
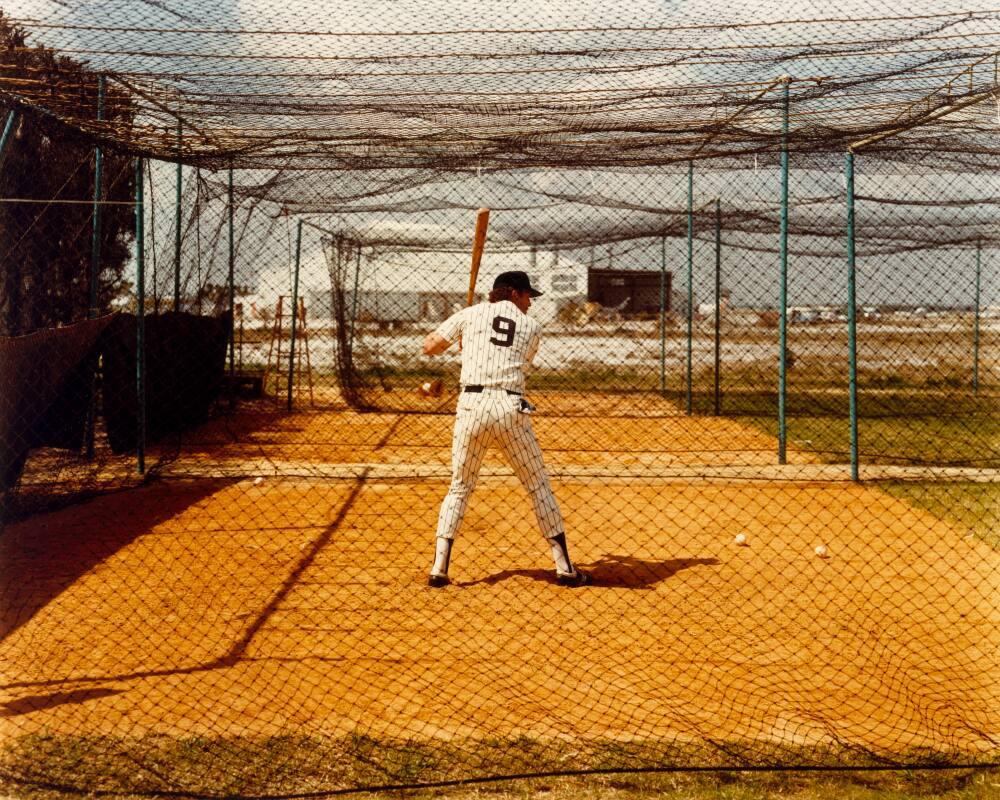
x=451 y=328
x=532 y=351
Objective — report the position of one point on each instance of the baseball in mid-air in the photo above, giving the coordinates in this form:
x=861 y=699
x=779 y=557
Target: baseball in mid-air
x=821 y=550
x=740 y=539
x=427 y=386
x=258 y=481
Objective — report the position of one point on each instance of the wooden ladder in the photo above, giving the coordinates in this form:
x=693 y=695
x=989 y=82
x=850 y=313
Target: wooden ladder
x=277 y=368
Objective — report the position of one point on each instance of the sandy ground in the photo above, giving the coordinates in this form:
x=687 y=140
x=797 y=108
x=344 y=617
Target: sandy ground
x=230 y=606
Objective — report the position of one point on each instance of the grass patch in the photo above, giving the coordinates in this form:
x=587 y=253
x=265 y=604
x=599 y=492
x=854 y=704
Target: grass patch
x=57 y=766
x=902 y=425
x=974 y=506
x=955 y=440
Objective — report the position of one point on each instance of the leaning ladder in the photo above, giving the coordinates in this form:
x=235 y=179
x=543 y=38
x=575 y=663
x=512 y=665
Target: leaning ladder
x=276 y=371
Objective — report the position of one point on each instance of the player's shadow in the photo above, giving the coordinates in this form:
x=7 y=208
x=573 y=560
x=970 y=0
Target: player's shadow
x=613 y=571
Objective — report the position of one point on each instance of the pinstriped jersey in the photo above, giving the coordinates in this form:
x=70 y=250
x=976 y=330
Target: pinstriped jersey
x=498 y=341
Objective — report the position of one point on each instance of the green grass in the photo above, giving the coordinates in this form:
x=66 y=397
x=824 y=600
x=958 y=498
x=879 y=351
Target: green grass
x=61 y=766
x=974 y=506
x=962 y=440
x=934 y=440
x=733 y=786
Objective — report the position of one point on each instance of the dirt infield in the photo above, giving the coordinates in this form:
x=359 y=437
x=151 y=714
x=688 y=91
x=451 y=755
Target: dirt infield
x=236 y=607
x=620 y=433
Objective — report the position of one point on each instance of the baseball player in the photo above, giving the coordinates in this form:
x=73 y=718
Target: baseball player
x=498 y=341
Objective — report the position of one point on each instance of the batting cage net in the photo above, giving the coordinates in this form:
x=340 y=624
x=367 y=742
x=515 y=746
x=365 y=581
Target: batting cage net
x=765 y=393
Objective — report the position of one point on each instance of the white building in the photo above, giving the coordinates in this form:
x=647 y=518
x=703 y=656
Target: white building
x=427 y=285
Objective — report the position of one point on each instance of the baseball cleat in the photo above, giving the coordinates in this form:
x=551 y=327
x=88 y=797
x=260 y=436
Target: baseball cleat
x=437 y=581
x=574 y=578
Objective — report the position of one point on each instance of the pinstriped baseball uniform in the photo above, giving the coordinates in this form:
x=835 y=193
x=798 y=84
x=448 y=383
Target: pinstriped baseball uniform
x=498 y=341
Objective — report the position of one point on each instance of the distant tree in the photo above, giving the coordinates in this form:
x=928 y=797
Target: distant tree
x=45 y=247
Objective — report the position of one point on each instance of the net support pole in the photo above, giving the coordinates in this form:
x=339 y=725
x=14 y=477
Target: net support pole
x=717 y=404
x=8 y=128
x=938 y=113
x=95 y=227
x=177 y=223
x=295 y=315
x=354 y=300
x=690 y=288
x=783 y=292
x=663 y=314
x=852 y=349
x=230 y=280
x=975 y=322
x=95 y=261
x=140 y=321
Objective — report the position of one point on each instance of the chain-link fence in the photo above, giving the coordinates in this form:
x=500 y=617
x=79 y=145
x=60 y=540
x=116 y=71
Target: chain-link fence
x=766 y=397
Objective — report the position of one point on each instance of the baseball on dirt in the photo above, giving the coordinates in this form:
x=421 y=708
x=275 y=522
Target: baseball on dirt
x=821 y=550
x=740 y=539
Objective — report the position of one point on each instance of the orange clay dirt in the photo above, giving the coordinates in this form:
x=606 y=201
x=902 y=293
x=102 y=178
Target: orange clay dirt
x=214 y=603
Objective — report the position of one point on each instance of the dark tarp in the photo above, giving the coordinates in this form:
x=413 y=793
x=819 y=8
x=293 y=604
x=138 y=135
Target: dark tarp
x=45 y=386
x=185 y=370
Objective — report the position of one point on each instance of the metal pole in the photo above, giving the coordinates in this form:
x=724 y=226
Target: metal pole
x=783 y=294
x=140 y=323
x=177 y=225
x=95 y=236
x=295 y=314
x=232 y=265
x=718 y=307
x=197 y=238
x=690 y=288
x=152 y=235
x=240 y=364
x=663 y=314
x=8 y=128
x=95 y=261
x=354 y=300
x=852 y=354
x=975 y=333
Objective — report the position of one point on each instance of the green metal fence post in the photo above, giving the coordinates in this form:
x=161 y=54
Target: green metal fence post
x=197 y=240
x=177 y=224
x=717 y=405
x=152 y=234
x=975 y=329
x=230 y=279
x=663 y=314
x=354 y=301
x=8 y=128
x=95 y=265
x=690 y=287
x=140 y=320
x=783 y=292
x=852 y=350
x=95 y=232
x=295 y=315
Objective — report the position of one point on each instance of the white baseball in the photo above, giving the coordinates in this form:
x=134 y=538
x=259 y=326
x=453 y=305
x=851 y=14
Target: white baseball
x=258 y=481
x=740 y=539
x=427 y=386
x=821 y=550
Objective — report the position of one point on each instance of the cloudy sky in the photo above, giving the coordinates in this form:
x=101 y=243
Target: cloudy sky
x=315 y=66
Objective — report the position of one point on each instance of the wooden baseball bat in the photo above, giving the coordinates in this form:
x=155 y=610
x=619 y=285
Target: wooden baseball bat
x=478 y=242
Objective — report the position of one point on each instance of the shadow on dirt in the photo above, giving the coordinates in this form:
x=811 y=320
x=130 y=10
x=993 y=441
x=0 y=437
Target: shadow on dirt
x=610 y=571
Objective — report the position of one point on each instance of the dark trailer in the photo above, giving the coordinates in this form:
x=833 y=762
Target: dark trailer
x=630 y=291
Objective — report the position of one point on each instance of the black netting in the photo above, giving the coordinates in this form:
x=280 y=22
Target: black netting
x=769 y=416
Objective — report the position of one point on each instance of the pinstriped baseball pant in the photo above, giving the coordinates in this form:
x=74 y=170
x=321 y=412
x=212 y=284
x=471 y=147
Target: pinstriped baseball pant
x=492 y=418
